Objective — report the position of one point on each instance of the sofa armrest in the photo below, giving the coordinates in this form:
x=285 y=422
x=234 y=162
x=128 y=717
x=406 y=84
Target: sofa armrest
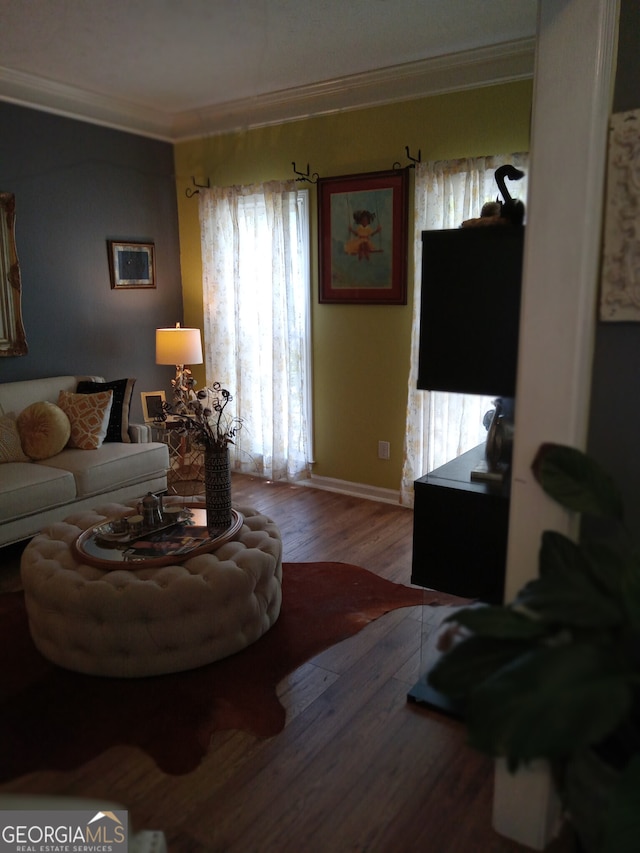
x=140 y=433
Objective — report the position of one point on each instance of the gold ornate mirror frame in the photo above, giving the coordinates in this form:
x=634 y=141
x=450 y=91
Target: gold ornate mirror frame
x=12 y=337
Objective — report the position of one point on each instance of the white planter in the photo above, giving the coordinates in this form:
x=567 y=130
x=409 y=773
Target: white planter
x=526 y=807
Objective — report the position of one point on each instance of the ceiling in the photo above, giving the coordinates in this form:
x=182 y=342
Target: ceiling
x=174 y=69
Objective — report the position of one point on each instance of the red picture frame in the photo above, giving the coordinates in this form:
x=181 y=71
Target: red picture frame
x=362 y=238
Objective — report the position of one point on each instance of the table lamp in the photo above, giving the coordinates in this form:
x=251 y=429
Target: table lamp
x=180 y=347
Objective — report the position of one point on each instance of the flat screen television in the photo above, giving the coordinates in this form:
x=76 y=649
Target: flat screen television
x=470 y=310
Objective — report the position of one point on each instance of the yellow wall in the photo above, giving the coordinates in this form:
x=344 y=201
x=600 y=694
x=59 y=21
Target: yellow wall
x=360 y=353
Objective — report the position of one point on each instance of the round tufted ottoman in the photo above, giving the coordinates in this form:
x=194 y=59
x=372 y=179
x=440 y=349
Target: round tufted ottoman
x=152 y=620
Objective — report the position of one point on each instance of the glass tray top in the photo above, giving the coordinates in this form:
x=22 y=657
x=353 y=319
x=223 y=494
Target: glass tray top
x=170 y=543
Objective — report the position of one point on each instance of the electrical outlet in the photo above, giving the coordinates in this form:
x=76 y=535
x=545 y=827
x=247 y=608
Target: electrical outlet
x=384 y=450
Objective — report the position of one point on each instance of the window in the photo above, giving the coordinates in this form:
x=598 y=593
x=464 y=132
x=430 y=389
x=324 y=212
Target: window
x=441 y=426
x=256 y=286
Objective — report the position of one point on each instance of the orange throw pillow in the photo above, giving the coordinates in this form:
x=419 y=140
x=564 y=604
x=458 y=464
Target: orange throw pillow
x=89 y=417
x=44 y=430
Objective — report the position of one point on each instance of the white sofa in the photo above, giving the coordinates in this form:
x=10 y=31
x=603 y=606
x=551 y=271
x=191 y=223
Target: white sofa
x=34 y=494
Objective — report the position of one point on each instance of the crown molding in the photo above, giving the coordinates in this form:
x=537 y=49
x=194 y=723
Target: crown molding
x=27 y=90
x=471 y=69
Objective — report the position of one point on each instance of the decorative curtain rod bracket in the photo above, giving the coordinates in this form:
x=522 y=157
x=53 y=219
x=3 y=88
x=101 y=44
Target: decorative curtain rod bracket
x=413 y=162
x=190 y=193
x=305 y=176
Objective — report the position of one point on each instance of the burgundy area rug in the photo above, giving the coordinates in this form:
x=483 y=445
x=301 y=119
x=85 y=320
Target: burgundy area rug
x=51 y=718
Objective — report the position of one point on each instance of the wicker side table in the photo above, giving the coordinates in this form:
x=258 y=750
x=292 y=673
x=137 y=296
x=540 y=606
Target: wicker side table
x=186 y=461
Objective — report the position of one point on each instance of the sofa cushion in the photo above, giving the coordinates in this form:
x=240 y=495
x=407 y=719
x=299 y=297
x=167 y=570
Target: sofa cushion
x=28 y=487
x=44 y=430
x=16 y=396
x=112 y=466
x=89 y=417
x=10 y=445
x=118 y=428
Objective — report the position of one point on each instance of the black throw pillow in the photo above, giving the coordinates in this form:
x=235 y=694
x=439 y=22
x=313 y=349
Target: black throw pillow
x=118 y=429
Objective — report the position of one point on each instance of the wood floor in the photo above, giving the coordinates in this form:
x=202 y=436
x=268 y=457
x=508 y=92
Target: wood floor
x=357 y=769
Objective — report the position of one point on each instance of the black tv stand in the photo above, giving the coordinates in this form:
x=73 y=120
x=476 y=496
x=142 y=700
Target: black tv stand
x=460 y=531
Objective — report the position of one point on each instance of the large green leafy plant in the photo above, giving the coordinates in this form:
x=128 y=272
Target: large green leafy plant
x=555 y=674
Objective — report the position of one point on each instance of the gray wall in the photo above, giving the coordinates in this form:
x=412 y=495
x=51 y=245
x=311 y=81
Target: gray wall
x=614 y=428
x=78 y=185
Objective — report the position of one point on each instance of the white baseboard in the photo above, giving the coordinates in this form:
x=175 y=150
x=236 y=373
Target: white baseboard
x=355 y=490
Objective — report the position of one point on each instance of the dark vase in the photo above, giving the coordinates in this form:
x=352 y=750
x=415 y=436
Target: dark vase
x=217 y=488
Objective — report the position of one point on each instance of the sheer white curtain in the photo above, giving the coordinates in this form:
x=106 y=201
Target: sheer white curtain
x=440 y=426
x=255 y=259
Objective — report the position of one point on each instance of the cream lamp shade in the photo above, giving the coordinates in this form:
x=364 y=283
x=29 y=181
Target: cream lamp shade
x=178 y=346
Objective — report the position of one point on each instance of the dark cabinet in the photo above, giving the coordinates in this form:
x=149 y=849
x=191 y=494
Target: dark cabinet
x=460 y=531
x=470 y=315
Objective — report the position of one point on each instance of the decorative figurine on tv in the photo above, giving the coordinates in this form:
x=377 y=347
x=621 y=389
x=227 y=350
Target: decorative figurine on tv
x=507 y=212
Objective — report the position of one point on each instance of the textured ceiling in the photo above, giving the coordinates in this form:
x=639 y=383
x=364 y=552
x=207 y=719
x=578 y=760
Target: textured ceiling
x=168 y=60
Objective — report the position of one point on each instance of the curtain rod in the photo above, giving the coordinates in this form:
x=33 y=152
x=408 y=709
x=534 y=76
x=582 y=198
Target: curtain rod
x=190 y=193
x=305 y=176
x=413 y=162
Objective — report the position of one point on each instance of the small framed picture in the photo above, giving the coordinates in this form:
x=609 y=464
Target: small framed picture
x=153 y=405
x=131 y=265
x=363 y=238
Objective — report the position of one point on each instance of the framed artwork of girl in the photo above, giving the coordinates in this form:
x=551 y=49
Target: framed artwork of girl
x=361 y=245
x=362 y=238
